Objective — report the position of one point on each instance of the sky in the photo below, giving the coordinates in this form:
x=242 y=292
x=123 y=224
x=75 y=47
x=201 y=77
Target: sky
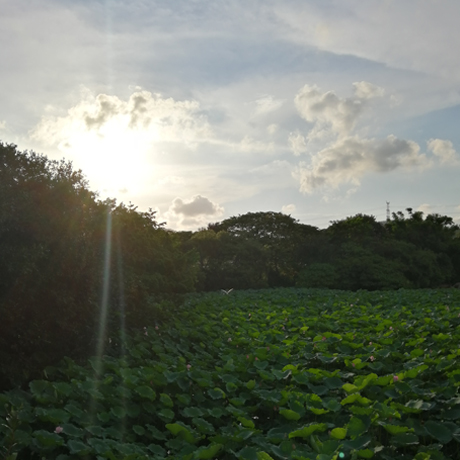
x=207 y=109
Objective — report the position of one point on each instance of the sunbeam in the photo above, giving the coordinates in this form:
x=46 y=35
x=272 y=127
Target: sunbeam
x=104 y=309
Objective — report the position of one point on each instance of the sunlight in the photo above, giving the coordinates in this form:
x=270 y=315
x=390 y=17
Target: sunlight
x=113 y=157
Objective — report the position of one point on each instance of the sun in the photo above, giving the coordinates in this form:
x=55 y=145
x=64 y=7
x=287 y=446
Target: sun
x=114 y=158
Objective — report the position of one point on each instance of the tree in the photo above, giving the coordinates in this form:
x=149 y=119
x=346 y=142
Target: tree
x=281 y=236
x=61 y=248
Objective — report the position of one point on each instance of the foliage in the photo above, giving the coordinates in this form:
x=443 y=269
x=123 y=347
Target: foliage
x=226 y=261
x=354 y=253
x=280 y=237
x=54 y=241
x=280 y=374
x=318 y=275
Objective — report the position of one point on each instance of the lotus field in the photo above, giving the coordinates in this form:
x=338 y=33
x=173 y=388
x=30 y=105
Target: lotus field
x=258 y=375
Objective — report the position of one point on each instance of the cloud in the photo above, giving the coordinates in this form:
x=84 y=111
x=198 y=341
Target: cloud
x=339 y=154
x=272 y=128
x=425 y=208
x=267 y=104
x=248 y=144
x=196 y=206
x=348 y=159
x=393 y=34
x=327 y=111
x=444 y=150
x=3 y=124
x=297 y=143
x=192 y=214
x=288 y=209
x=156 y=117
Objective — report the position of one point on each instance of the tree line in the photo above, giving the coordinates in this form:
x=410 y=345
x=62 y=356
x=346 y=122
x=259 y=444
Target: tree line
x=269 y=249
x=75 y=270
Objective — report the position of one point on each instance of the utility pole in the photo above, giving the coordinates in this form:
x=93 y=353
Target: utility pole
x=388 y=211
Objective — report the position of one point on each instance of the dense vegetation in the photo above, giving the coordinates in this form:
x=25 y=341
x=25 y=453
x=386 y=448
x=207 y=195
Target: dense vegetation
x=245 y=375
x=74 y=267
x=268 y=249
x=259 y=375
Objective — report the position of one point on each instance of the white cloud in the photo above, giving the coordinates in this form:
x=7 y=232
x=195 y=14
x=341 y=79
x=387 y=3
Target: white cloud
x=425 y=208
x=3 y=124
x=272 y=168
x=248 y=144
x=405 y=35
x=288 y=209
x=267 y=104
x=297 y=143
x=331 y=112
x=158 y=118
x=444 y=150
x=196 y=206
x=348 y=159
x=192 y=214
x=366 y=90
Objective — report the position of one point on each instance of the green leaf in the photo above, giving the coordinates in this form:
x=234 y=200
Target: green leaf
x=95 y=430
x=104 y=417
x=216 y=393
x=358 y=443
x=356 y=427
x=404 y=439
x=156 y=433
x=419 y=404
x=332 y=405
x=451 y=414
x=203 y=425
x=166 y=414
x=138 y=429
x=157 y=450
x=145 y=392
x=99 y=445
x=184 y=399
x=77 y=447
x=333 y=383
x=176 y=429
x=251 y=384
x=118 y=411
x=207 y=453
x=166 y=400
x=308 y=430
x=396 y=429
x=438 y=431
x=55 y=416
x=263 y=456
x=47 y=439
x=246 y=423
x=350 y=388
x=192 y=412
x=289 y=414
x=339 y=433
x=365 y=453
x=72 y=430
x=247 y=453
x=260 y=364
x=216 y=412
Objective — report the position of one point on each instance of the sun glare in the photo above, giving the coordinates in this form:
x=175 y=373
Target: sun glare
x=114 y=158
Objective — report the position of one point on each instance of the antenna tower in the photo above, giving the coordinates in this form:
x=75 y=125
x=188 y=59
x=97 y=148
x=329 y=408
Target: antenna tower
x=388 y=210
